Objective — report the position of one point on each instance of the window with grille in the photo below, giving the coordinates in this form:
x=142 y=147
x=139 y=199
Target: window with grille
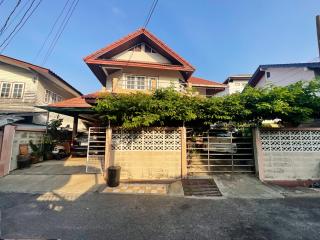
x=51 y=97
x=17 y=90
x=5 y=90
x=136 y=82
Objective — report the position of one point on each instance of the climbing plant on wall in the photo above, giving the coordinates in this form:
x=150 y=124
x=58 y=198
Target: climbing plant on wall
x=166 y=107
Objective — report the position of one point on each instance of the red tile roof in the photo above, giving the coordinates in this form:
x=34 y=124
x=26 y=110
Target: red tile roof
x=77 y=102
x=36 y=68
x=141 y=31
x=104 y=55
x=195 y=81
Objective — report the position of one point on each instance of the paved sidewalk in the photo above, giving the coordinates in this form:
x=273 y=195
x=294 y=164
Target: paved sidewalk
x=138 y=188
x=53 y=176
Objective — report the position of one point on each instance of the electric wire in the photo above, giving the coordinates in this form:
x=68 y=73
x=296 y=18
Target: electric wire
x=8 y=18
x=51 y=30
x=61 y=30
x=21 y=26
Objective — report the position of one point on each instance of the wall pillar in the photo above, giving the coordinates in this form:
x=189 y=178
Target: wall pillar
x=75 y=126
x=114 y=84
x=6 y=150
x=184 y=170
x=107 y=157
x=258 y=154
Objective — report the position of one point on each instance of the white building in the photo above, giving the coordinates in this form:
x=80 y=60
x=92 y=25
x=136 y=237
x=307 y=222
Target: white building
x=284 y=74
x=235 y=83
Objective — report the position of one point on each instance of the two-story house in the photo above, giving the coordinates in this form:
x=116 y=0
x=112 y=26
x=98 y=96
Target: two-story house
x=137 y=62
x=284 y=74
x=24 y=86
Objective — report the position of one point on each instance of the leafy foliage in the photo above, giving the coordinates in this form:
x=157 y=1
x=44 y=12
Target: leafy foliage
x=292 y=104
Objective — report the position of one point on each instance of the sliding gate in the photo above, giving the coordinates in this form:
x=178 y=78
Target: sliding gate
x=216 y=151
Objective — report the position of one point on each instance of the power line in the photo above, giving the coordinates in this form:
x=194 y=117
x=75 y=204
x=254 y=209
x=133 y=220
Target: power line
x=15 y=28
x=153 y=6
x=51 y=30
x=61 y=29
x=10 y=15
x=17 y=15
x=2 y=1
x=15 y=31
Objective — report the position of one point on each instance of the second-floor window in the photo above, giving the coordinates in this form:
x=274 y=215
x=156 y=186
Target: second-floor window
x=136 y=82
x=51 y=97
x=17 y=90
x=11 y=90
x=5 y=90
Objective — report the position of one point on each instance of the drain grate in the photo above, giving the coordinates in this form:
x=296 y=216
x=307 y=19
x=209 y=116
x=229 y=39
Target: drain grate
x=200 y=188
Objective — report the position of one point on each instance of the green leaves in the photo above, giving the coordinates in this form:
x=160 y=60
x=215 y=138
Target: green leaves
x=293 y=104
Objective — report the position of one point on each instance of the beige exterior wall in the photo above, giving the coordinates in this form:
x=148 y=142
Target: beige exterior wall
x=12 y=75
x=33 y=94
x=148 y=165
x=165 y=78
x=141 y=56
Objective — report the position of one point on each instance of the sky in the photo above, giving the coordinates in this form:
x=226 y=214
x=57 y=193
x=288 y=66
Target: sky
x=218 y=37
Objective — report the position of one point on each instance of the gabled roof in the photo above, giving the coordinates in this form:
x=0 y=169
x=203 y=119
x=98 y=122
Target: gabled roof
x=195 y=81
x=262 y=68
x=104 y=55
x=38 y=69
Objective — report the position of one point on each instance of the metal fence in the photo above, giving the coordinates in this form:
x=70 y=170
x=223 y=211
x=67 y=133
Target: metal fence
x=212 y=151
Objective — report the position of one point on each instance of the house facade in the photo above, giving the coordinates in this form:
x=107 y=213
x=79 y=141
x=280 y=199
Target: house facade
x=24 y=86
x=284 y=74
x=142 y=62
x=235 y=84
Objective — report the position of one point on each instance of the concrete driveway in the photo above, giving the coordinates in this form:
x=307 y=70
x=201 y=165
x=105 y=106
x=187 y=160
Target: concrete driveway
x=53 y=176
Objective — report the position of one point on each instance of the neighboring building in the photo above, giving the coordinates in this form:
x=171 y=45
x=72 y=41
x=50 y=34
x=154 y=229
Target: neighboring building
x=284 y=74
x=23 y=86
x=205 y=87
x=235 y=83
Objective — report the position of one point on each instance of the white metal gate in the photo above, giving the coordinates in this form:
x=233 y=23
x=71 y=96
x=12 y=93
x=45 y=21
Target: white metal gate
x=96 y=149
x=212 y=152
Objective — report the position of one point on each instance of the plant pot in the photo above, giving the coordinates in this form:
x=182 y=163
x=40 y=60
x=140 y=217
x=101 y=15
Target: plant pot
x=34 y=159
x=23 y=161
x=48 y=156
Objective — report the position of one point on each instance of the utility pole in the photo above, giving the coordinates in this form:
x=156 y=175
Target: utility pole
x=318 y=32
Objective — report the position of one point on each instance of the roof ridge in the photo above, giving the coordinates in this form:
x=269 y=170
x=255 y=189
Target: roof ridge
x=25 y=62
x=137 y=33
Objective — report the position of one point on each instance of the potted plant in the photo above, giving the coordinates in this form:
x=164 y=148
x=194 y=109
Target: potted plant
x=37 y=152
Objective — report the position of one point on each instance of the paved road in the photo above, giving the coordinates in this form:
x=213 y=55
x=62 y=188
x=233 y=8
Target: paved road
x=104 y=216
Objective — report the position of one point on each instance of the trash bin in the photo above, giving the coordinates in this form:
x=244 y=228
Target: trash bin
x=23 y=161
x=113 y=176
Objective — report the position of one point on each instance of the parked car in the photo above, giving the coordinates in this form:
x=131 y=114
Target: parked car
x=220 y=141
x=80 y=145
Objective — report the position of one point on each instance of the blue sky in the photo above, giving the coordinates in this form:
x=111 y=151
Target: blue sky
x=218 y=37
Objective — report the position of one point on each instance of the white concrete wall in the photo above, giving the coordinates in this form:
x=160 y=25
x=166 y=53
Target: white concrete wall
x=286 y=76
x=23 y=137
x=288 y=154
